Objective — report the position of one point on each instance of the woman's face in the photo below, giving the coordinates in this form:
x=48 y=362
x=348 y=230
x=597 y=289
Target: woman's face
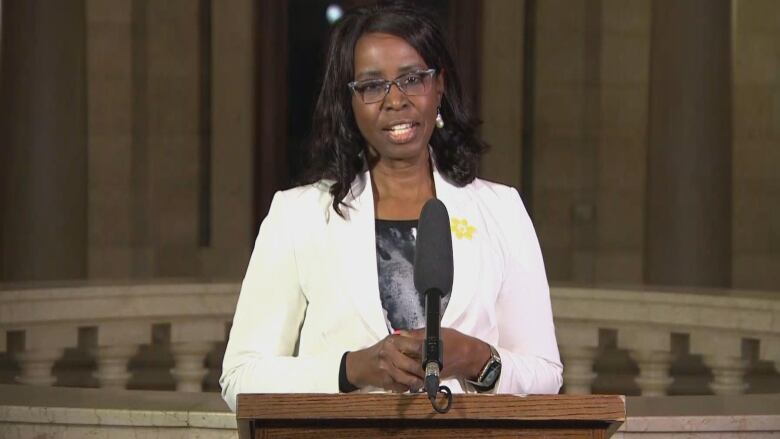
x=399 y=126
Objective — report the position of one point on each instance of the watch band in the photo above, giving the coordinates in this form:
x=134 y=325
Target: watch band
x=490 y=372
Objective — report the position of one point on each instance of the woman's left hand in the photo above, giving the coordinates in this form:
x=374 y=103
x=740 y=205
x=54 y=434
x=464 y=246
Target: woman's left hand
x=464 y=355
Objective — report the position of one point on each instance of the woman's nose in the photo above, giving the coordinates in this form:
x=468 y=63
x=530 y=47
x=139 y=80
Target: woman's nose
x=395 y=98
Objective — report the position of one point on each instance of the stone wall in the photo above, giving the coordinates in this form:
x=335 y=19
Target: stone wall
x=590 y=131
x=756 y=153
x=589 y=138
x=170 y=138
x=158 y=181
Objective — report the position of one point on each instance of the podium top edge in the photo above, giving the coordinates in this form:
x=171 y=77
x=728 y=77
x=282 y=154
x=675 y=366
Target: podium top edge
x=366 y=406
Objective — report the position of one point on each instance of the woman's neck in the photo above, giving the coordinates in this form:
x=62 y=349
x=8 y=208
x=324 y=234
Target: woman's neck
x=401 y=188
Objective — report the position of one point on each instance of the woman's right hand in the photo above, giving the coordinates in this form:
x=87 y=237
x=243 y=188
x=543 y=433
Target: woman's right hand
x=391 y=364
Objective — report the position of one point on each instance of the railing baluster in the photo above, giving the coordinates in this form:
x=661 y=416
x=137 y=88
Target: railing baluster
x=578 y=344
x=651 y=349
x=43 y=346
x=722 y=353
x=191 y=341
x=117 y=343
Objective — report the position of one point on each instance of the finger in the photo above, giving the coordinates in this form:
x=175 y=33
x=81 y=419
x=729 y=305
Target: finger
x=391 y=385
x=408 y=346
x=394 y=377
x=410 y=365
x=404 y=378
x=399 y=352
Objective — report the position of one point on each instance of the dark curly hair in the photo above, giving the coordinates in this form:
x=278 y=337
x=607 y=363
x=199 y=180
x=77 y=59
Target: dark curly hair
x=336 y=143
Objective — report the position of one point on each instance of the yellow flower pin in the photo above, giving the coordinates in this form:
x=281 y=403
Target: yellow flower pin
x=461 y=228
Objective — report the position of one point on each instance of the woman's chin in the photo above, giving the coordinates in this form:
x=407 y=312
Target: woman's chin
x=410 y=152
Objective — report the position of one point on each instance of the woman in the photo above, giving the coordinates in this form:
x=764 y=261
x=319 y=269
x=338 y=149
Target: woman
x=328 y=302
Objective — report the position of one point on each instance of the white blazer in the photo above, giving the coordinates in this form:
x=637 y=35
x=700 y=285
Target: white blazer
x=311 y=291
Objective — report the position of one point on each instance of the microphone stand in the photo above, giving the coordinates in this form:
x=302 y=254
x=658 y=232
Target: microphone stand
x=433 y=351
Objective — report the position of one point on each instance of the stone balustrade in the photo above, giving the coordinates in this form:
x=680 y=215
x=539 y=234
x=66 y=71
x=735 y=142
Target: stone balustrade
x=717 y=326
x=49 y=320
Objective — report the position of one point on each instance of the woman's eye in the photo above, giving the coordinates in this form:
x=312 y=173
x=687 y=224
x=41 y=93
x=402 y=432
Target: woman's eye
x=371 y=87
x=412 y=79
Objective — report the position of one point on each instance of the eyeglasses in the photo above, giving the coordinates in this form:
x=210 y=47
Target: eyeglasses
x=411 y=84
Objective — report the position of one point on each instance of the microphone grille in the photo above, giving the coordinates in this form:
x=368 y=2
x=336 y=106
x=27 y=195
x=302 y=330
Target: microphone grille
x=433 y=265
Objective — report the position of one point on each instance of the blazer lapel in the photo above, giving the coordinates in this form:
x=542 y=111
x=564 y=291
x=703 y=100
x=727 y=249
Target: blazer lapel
x=466 y=251
x=355 y=237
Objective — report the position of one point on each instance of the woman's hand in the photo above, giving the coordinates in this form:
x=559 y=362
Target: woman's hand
x=392 y=364
x=464 y=355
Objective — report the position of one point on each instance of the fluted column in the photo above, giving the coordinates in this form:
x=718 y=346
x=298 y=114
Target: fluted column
x=728 y=374
x=653 y=379
x=688 y=222
x=43 y=159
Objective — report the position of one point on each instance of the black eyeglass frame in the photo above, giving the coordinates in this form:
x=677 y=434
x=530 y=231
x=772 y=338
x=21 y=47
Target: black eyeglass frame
x=387 y=83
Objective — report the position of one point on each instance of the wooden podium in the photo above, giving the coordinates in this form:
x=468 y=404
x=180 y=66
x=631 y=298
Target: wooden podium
x=383 y=415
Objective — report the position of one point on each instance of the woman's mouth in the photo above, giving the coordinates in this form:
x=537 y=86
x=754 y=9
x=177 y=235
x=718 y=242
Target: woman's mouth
x=402 y=132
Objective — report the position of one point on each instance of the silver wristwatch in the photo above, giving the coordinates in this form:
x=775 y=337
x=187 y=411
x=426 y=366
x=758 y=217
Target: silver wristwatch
x=489 y=376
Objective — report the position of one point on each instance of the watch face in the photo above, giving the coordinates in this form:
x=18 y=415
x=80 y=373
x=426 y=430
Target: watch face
x=492 y=374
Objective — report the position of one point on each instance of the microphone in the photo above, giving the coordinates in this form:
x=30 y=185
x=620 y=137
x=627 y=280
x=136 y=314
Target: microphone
x=433 y=273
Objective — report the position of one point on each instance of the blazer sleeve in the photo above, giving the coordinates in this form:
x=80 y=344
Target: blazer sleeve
x=530 y=362
x=260 y=355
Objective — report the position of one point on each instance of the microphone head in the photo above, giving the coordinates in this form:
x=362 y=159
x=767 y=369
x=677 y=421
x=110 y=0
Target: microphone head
x=433 y=266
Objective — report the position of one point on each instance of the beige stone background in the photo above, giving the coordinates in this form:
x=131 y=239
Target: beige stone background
x=591 y=100
x=102 y=137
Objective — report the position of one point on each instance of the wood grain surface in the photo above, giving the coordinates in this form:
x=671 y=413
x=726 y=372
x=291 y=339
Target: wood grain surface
x=602 y=408
x=464 y=433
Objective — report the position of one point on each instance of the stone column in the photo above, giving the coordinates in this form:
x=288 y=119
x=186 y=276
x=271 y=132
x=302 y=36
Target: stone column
x=233 y=226
x=112 y=142
x=42 y=132
x=502 y=90
x=688 y=228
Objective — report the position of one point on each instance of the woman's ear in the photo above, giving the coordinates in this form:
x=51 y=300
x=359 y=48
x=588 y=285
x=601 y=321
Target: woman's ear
x=440 y=84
